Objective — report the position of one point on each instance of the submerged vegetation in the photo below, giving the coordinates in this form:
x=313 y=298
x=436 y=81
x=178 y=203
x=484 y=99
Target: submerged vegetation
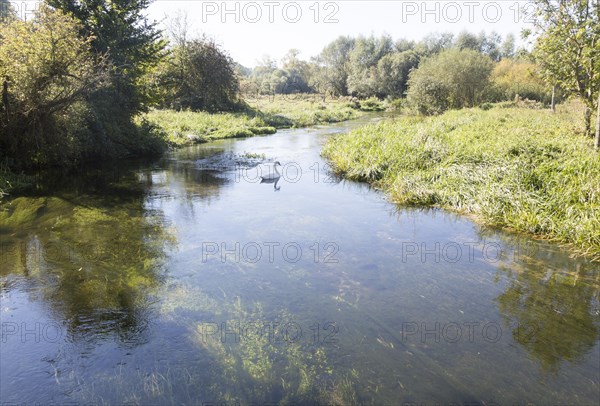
x=521 y=168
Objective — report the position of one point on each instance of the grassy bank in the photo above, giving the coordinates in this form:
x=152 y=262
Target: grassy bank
x=186 y=127
x=263 y=117
x=523 y=169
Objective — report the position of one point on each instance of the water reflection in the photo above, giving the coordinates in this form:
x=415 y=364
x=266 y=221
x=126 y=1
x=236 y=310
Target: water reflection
x=95 y=256
x=551 y=303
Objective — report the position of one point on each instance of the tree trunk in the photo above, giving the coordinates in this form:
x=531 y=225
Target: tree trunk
x=553 y=96
x=597 y=141
x=588 y=121
x=5 y=98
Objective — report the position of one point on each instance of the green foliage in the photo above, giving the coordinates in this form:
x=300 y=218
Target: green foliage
x=363 y=61
x=486 y=44
x=371 y=104
x=197 y=75
x=392 y=73
x=524 y=169
x=567 y=47
x=120 y=32
x=333 y=60
x=187 y=127
x=292 y=78
x=450 y=80
x=6 y=11
x=519 y=77
x=47 y=72
x=434 y=43
x=294 y=111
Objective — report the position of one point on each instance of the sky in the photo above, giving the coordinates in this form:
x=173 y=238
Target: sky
x=249 y=30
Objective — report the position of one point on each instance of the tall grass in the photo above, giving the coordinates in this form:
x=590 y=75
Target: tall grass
x=528 y=170
x=186 y=127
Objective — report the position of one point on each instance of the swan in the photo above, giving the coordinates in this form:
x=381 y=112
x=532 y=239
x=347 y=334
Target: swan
x=271 y=176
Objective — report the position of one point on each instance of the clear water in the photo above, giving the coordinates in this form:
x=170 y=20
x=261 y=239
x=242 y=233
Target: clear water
x=187 y=281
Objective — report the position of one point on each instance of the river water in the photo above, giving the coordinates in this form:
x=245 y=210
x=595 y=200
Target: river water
x=188 y=281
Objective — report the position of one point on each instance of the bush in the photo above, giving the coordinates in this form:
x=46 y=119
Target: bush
x=47 y=70
x=517 y=77
x=198 y=76
x=371 y=104
x=450 y=80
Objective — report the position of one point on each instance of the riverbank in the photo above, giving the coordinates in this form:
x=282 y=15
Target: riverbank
x=522 y=169
x=262 y=117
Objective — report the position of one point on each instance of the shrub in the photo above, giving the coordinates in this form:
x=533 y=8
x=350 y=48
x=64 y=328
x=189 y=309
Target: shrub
x=517 y=77
x=450 y=80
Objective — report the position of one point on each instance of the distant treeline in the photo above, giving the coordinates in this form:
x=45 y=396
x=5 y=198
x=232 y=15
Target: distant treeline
x=365 y=66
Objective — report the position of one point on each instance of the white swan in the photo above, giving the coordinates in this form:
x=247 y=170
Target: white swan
x=271 y=176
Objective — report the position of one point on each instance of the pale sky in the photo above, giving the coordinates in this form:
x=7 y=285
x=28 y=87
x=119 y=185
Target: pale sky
x=249 y=30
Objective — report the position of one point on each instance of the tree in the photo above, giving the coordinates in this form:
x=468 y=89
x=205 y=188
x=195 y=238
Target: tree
x=363 y=60
x=507 y=49
x=120 y=30
x=435 y=43
x=467 y=40
x=335 y=68
x=262 y=75
x=48 y=70
x=486 y=44
x=6 y=11
x=297 y=73
x=198 y=75
x=392 y=73
x=490 y=45
x=568 y=49
x=450 y=80
x=519 y=77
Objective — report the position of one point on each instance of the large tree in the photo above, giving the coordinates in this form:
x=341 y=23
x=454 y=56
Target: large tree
x=121 y=31
x=6 y=11
x=198 y=75
x=363 y=60
x=46 y=70
x=333 y=61
x=568 y=49
x=392 y=73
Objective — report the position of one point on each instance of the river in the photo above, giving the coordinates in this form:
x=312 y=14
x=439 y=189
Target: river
x=188 y=281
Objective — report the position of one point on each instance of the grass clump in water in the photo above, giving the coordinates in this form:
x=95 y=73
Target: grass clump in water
x=523 y=169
